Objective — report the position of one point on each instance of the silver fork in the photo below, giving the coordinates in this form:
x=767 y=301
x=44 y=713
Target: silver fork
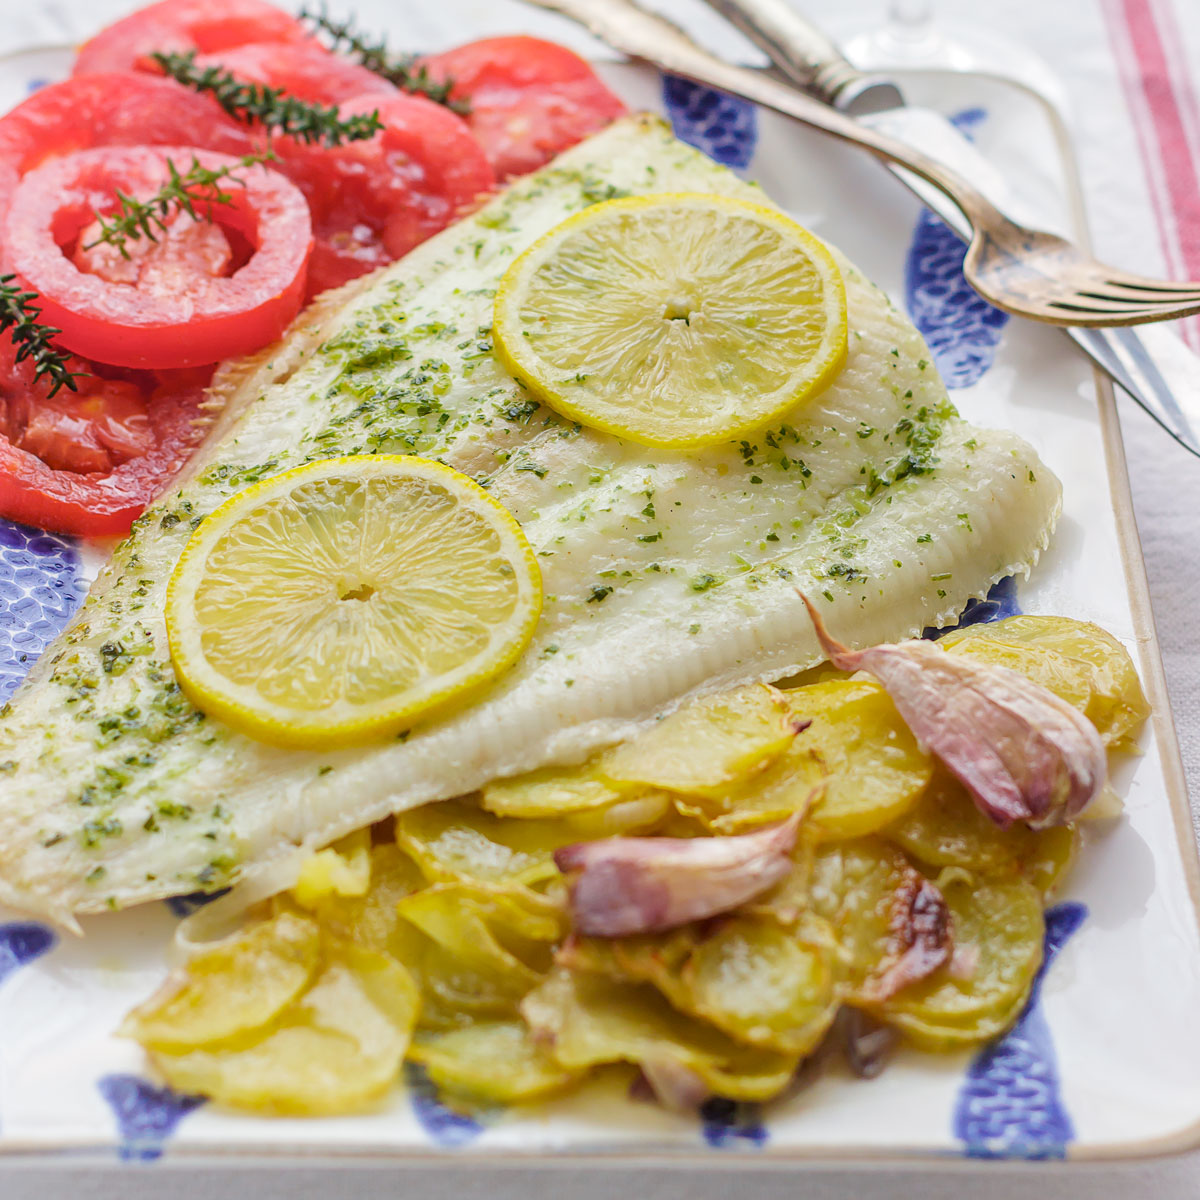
x=1025 y=271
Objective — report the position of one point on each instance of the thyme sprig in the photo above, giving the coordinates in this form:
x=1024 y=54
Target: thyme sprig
x=267 y=105
x=146 y=218
x=404 y=71
x=19 y=319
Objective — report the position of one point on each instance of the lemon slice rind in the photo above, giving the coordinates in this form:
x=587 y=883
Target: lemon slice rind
x=719 y=392
x=235 y=693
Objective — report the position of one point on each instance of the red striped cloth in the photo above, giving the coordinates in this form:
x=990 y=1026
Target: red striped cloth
x=1161 y=91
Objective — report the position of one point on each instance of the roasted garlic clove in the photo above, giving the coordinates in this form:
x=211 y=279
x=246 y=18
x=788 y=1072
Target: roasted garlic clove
x=1022 y=753
x=626 y=885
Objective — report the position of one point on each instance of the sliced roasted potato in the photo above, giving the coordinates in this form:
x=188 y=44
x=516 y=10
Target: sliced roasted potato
x=788 y=901
x=456 y=841
x=998 y=929
x=489 y=931
x=336 y=1050
x=648 y=958
x=753 y=979
x=491 y=1061
x=707 y=745
x=876 y=769
x=853 y=764
x=638 y=813
x=864 y=889
x=343 y=869
x=946 y=829
x=237 y=986
x=551 y=791
x=762 y=984
x=1076 y=660
x=454 y=995
x=478 y=949
x=371 y=920
x=587 y=1019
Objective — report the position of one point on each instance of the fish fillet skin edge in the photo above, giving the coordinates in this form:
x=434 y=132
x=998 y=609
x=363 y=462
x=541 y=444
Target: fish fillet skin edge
x=667 y=573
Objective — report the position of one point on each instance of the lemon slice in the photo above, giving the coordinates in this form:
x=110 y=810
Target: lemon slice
x=674 y=320
x=345 y=598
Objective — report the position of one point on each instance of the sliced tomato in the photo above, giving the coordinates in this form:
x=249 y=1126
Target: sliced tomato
x=529 y=99
x=110 y=110
x=302 y=69
x=176 y=26
x=373 y=201
x=89 y=462
x=176 y=306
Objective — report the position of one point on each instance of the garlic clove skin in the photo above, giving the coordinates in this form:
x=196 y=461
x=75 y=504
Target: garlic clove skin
x=622 y=886
x=1023 y=753
x=922 y=938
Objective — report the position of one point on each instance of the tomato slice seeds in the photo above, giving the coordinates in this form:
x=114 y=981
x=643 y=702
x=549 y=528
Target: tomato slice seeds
x=180 y=314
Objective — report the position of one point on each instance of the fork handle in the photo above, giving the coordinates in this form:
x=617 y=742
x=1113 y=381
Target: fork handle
x=636 y=31
x=808 y=57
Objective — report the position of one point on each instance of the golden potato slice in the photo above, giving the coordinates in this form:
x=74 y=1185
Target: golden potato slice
x=856 y=764
x=371 y=920
x=788 y=901
x=456 y=840
x=587 y=1019
x=476 y=950
x=639 y=812
x=647 y=958
x=490 y=932
x=336 y=1050
x=454 y=996
x=876 y=769
x=946 y=829
x=551 y=791
x=343 y=869
x=762 y=984
x=1076 y=660
x=864 y=889
x=238 y=985
x=751 y=978
x=998 y=930
x=491 y=1061
x=707 y=745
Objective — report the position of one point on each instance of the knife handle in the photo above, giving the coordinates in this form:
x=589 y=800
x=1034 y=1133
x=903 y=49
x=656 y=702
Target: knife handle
x=805 y=54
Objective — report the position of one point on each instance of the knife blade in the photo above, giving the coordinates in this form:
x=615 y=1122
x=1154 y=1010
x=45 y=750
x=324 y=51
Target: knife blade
x=1152 y=364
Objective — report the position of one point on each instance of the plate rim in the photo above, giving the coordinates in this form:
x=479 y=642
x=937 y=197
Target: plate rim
x=868 y=1156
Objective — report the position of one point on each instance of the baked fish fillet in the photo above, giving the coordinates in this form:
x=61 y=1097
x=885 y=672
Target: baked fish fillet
x=666 y=573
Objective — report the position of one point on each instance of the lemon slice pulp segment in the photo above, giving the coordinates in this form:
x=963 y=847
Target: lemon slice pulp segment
x=678 y=320
x=343 y=599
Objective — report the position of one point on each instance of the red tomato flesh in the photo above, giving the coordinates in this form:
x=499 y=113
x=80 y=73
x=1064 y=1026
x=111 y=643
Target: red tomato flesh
x=110 y=110
x=176 y=26
x=302 y=69
x=529 y=99
x=88 y=462
x=374 y=200
x=171 y=306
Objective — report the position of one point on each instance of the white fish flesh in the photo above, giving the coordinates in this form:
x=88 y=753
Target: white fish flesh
x=666 y=573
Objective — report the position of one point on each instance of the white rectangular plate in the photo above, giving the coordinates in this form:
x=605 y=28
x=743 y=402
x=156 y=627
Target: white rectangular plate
x=1104 y=1062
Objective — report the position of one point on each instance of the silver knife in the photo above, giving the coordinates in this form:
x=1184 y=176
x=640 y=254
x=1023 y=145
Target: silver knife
x=1151 y=363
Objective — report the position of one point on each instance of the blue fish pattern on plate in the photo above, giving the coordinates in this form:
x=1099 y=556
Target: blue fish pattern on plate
x=184 y=906
x=963 y=330
x=722 y=126
x=40 y=589
x=1000 y=602
x=1011 y=1105
x=444 y=1126
x=20 y=943
x=732 y=1125
x=146 y=1115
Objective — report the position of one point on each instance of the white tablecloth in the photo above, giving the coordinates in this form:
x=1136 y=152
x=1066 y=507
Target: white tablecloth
x=1131 y=70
